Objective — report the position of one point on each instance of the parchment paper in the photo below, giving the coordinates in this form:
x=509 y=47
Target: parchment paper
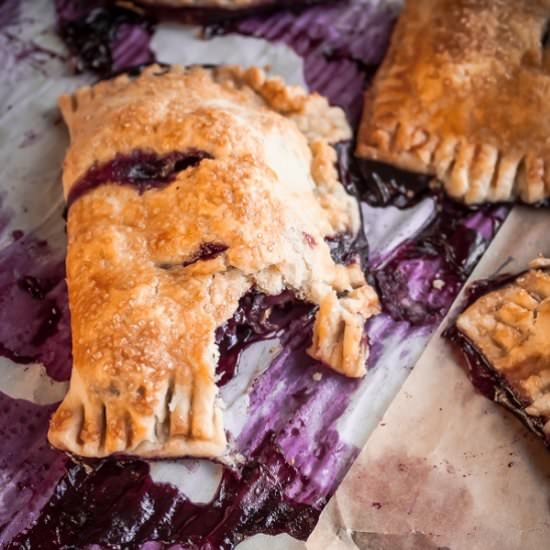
x=447 y=468
x=32 y=145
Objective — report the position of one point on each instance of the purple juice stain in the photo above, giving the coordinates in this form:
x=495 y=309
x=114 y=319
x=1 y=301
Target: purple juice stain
x=301 y=414
x=34 y=313
x=421 y=279
x=104 y=38
x=117 y=505
x=341 y=42
x=29 y=468
x=10 y=11
x=143 y=170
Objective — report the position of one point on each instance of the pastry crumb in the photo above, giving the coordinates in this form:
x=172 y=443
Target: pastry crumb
x=438 y=284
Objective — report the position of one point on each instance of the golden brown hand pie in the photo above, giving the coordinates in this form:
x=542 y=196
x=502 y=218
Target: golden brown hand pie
x=510 y=328
x=187 y=188
x=464 y=95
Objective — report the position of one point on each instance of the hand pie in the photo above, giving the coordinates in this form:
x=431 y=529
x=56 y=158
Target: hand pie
x=186 y=188
x=464 y=95
x=510 y=329
x=226 y=4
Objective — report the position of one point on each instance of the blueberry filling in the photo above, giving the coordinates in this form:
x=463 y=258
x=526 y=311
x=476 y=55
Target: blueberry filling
x=207 y=251
x=258 y=317
x=143 y=170
x=345 y=248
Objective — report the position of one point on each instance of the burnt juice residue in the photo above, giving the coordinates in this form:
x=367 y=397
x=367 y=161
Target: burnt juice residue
x=117 y=505
x=143 y=170
x=104 y=38
x=418 y=281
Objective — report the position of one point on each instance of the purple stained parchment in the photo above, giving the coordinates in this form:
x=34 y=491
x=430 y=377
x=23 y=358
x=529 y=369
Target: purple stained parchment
x=29 y=469
x=34 y=314
x=293 y=455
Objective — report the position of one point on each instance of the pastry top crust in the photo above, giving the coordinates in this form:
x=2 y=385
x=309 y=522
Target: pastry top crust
x=144 y=305
x=464 y=94
x=511 y=328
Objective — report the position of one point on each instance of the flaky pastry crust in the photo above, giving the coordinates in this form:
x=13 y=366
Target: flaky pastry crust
x=510 y=327
x=463 y=94
x=144 y=313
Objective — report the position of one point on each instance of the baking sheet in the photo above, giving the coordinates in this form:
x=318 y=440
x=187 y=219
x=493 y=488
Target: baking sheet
x=446 y=467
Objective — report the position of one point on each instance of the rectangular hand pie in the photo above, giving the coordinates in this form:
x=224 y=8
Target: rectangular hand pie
x=510 y=330
x=464 y=95
x=185 y=189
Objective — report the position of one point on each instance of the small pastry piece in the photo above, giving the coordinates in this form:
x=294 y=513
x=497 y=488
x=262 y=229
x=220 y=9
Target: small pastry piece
x=464 y=95
x=186 y=188
x=510 y=329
